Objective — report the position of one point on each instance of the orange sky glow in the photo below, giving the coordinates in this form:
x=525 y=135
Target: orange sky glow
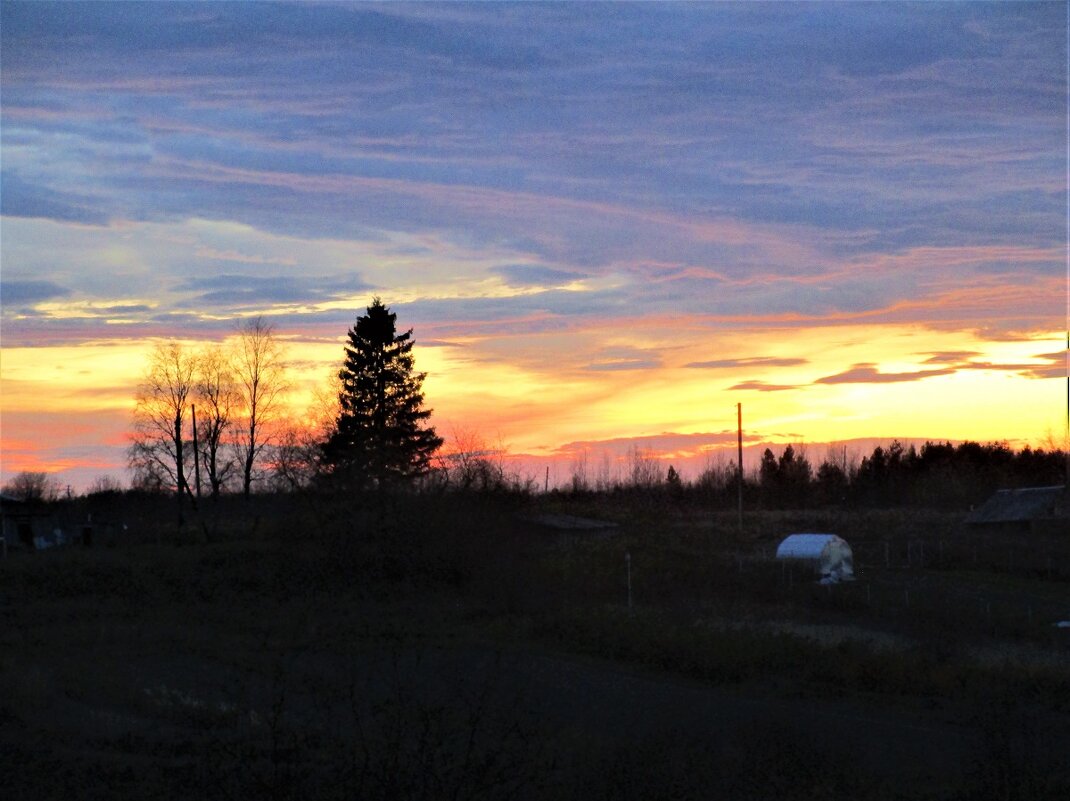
x=606 y=224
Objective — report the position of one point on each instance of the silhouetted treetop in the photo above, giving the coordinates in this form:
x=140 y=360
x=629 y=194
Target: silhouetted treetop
x=380 y=436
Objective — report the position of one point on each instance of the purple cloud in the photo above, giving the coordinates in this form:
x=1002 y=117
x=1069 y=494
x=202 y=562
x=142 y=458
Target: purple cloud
x=758 y=361
x=762 y=386
x=869 y=374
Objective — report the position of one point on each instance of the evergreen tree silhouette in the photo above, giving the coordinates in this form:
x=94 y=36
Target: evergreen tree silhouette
x=380 y=437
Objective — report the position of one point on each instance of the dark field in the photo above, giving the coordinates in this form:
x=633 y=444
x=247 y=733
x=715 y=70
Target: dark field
x=455 y=647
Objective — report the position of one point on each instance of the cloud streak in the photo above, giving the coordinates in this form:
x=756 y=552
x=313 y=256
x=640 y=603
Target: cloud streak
x=613 y=200
x=869 y=374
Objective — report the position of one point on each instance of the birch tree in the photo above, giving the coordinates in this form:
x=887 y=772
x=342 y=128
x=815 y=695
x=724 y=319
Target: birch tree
x=259 y=371
x=218 y=401
x=158 y=452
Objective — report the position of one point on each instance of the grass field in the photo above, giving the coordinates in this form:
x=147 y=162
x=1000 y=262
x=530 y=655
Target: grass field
x=454 y=647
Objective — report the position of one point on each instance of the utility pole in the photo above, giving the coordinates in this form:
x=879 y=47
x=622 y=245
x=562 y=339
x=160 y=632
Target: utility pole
x=739 y=462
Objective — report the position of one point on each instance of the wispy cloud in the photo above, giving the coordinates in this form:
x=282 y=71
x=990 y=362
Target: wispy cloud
x=239 y=291
x=869 y=374
x=762 y=386
x=535 y=275
x=578 y=194
x=29 y=292
x=757 y=361
x=951 y=357
x=21 y=198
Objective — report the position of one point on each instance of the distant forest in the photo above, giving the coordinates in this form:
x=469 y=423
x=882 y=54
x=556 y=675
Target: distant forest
x=936 y=476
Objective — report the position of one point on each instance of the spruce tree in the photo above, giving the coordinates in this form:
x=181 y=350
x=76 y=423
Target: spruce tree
x=380 y=436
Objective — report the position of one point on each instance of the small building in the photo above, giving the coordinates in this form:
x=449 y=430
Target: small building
x=1025 y=509
x=829 y=556
x=22 y=523
x=38 y=526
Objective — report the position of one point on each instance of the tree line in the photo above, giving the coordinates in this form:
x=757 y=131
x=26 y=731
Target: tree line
x=936 y=475
x=203 y=418
x=215 y=419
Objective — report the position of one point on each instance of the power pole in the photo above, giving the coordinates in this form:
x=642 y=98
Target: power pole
x=739 y=460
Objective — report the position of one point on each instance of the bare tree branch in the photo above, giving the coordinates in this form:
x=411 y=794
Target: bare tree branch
x=259 y=371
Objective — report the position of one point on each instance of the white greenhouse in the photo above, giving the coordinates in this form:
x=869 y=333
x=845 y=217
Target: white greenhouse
x=830 y=556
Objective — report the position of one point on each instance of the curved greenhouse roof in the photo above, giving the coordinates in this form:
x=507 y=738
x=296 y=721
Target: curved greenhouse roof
x=806 y=546
x=830 y=555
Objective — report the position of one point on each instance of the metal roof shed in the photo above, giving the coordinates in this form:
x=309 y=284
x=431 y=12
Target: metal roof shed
x=1022 y=507
x=829 y=555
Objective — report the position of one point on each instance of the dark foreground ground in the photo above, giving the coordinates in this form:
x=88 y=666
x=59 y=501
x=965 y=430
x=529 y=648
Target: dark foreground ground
x=460 y=650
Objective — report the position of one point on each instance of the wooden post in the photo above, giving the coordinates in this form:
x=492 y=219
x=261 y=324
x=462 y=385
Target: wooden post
x=628 y=567
x=182 y=485
x=739 y=457
x=196 y=455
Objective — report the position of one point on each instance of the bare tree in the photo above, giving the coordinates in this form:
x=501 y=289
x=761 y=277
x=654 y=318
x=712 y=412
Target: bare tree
x=580 y=482
x=218 y=399
x=260 y=375
x=32 y=486
x=297 y=453
x=295 y=458
x=645 y=470
x=158 y=454
x=104 y=484
x=470 y=463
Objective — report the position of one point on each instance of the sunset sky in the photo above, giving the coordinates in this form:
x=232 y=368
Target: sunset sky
x=607 y=224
